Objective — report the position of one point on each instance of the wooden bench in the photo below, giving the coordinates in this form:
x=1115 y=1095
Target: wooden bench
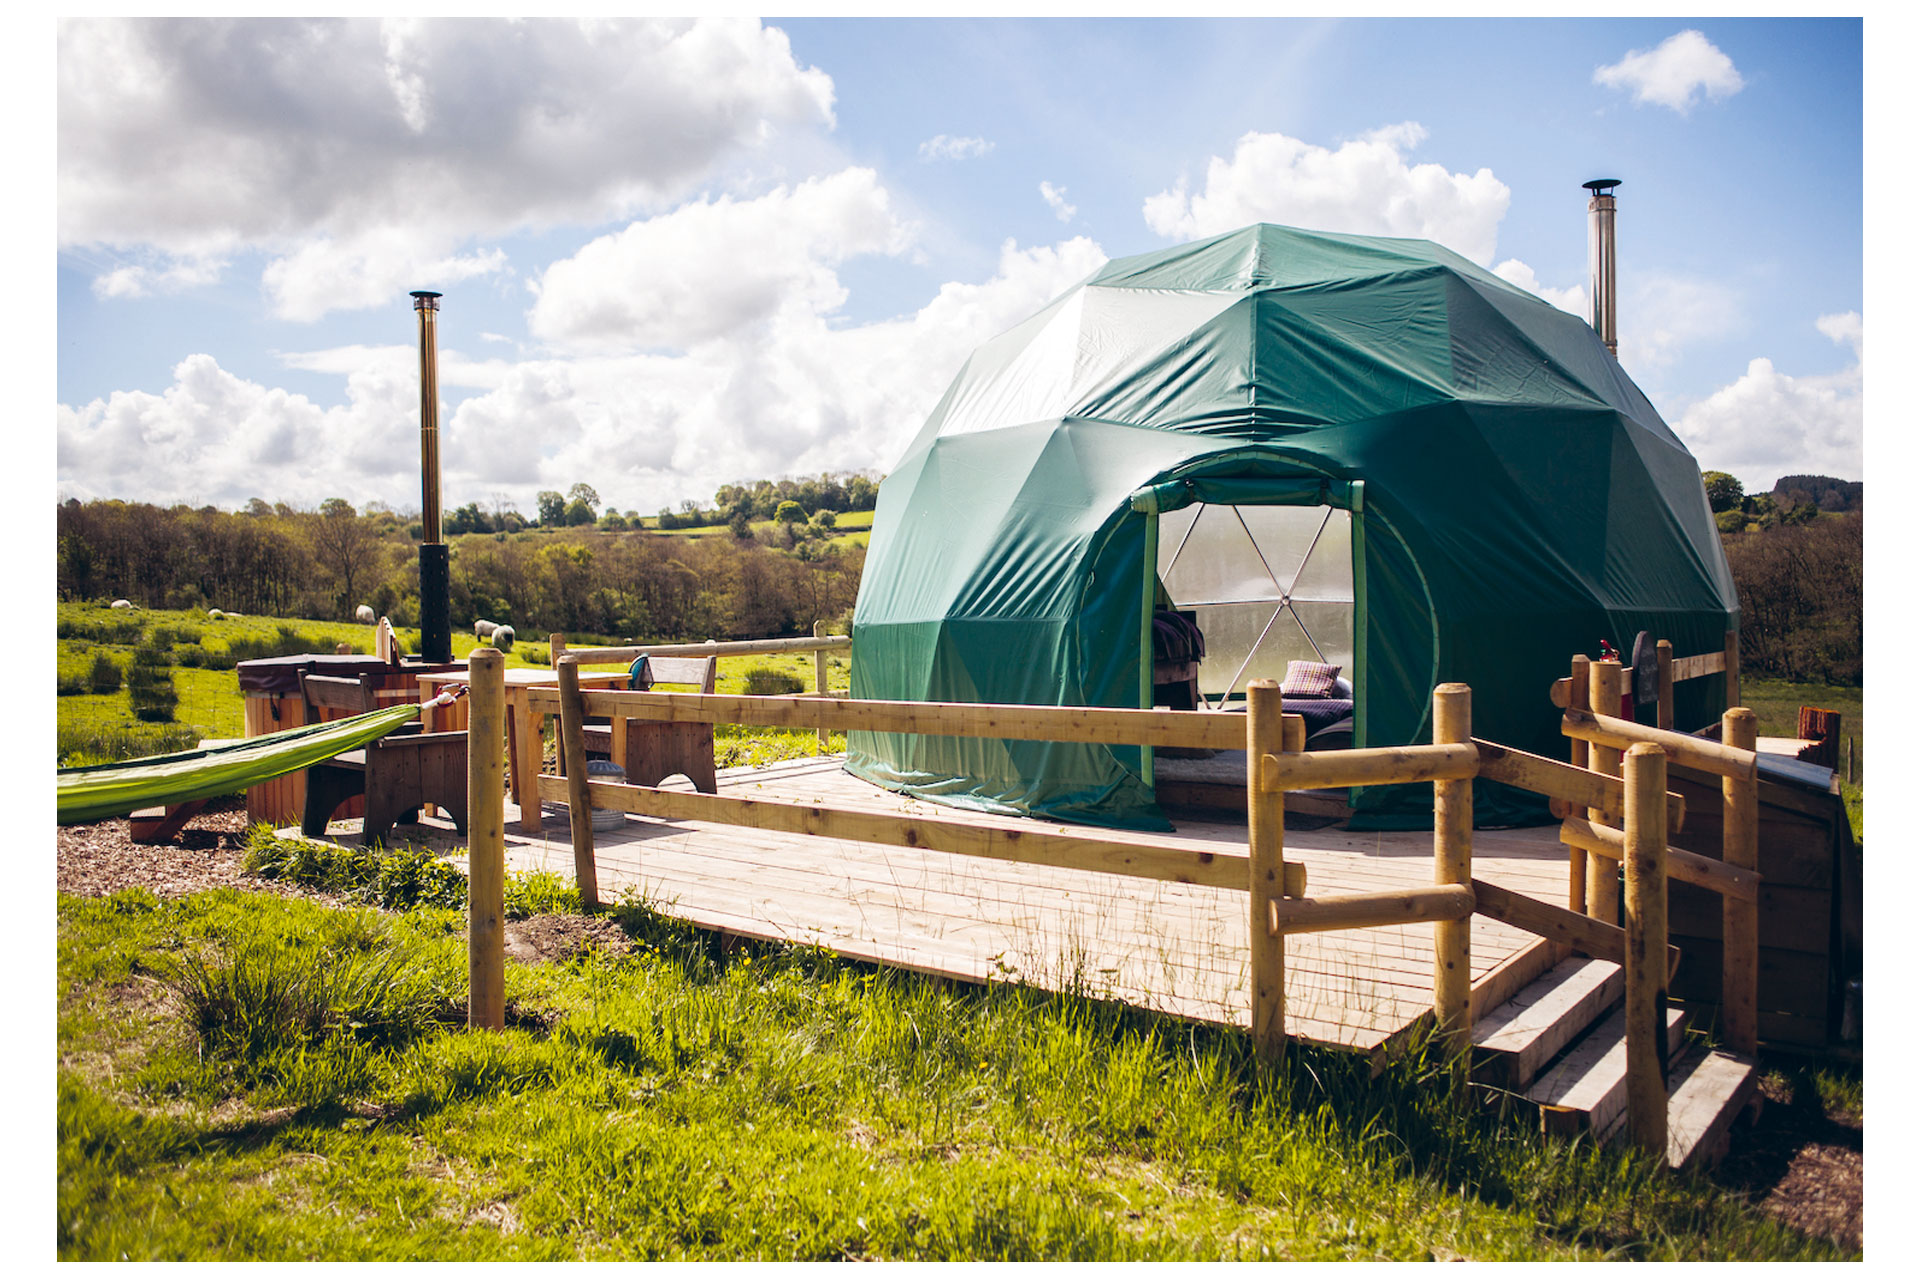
x=398 y=774
x=652 y=750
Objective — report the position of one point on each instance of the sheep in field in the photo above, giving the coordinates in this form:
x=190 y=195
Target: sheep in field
x=503 y=639
x=482 y=628
x=364 y=614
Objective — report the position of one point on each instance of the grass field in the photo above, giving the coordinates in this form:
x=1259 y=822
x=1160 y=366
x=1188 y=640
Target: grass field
x=243 y=1076
x=1777 y=705
x=95 y=727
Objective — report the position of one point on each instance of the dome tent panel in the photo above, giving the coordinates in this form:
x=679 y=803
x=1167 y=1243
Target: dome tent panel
x=1521 y=500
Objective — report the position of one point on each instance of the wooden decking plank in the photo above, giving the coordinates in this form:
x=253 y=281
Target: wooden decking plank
x=1162 y=944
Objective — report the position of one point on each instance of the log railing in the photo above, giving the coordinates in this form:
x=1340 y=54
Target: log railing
x=1670 y=671
x=1597 y=845
x=1628 y=815
x=820 y=644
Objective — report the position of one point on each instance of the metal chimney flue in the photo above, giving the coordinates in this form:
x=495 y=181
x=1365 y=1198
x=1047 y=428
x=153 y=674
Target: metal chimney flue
x=1600 y=259
x=436 y=628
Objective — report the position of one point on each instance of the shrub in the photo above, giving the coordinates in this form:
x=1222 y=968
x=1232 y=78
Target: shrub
x=107 y=630
x=150 y=689
x=193 y=655
x=76 y=745
x=398 y=879
x=767 y=682
x=104 y=675
x=169 y=637
x=365 y=982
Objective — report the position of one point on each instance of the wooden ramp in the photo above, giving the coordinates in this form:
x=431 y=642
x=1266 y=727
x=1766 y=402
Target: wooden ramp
x=1180 y=949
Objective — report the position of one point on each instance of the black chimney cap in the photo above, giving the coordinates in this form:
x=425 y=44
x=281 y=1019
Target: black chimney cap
x=423 y=300
x=1602 y=186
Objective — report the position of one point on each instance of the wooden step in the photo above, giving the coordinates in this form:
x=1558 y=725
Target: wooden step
x=1586 y=1090
x=1707 y=1091
x=1513 y=1043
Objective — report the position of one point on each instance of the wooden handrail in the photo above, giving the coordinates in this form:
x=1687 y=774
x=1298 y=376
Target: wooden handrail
x=1368 y=766
x=1218 y=730
x=557 y=648
x=1369 y=910
x=1004 y=841
x=1682 y=749
x=1700 y=664
x=1596 y=938
x=1561 y=781
x=1712 y=874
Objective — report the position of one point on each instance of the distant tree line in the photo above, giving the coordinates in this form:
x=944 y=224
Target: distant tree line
x=736 y=504
x=733 y=504
x=580 y=579
x=1802 y=598
x=1794 y=500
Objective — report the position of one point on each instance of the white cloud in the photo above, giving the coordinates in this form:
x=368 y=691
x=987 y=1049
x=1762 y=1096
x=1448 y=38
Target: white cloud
x=214 y=437
x=398 y=142
x=1768 y=424
x=1364 y=186
x=367 y=270
x=711 y=268
x=1675 y=74
x=138 y=280
x=1845 y=327
x=1056 y=198
x=791 y=395
x=1572 y=300
x=942 y=147
x=1663 y=314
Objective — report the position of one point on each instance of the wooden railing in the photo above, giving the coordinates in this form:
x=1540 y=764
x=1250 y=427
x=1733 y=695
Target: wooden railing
x=1628 y=812
x=820 y=644
x=1593 y=882
x=1670 y=671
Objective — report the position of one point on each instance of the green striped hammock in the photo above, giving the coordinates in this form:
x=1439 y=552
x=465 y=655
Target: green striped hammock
x=92 y=792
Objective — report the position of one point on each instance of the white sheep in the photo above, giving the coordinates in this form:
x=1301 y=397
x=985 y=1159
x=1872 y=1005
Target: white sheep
x=122 y=604
x=364 y=614
x=503 y=639
x=215 y=614
x=482 y=628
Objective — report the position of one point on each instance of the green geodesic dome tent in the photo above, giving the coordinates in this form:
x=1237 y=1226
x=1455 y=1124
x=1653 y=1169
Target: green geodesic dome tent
x=1336 y=447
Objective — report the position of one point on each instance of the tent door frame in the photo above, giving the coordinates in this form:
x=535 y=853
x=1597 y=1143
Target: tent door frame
x=1147 y=503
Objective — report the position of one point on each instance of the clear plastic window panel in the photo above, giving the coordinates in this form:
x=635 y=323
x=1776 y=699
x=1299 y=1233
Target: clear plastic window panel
x=1266 y=584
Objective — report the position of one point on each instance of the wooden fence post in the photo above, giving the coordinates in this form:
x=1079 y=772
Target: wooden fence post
x=1663 y=658
x=820 y=673
x=1453 y=864
x=1579 y=698
x=486 y=841
x=1646 y=872
x=1266 y=870
x=1603 y=874
x=573 y=756
x=1739 y=920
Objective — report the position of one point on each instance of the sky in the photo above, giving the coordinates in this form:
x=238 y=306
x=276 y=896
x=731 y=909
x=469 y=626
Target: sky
x=680 y=254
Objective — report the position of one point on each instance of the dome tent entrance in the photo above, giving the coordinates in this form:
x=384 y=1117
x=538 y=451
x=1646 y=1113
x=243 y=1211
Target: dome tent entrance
x=1509 y=498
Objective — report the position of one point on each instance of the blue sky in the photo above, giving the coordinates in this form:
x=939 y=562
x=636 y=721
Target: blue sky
x=676 y=256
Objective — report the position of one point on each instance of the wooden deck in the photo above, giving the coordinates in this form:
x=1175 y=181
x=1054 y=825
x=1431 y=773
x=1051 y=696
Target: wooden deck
x=1181 y=949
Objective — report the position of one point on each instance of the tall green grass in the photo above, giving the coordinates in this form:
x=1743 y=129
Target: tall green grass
x=695 y=1101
